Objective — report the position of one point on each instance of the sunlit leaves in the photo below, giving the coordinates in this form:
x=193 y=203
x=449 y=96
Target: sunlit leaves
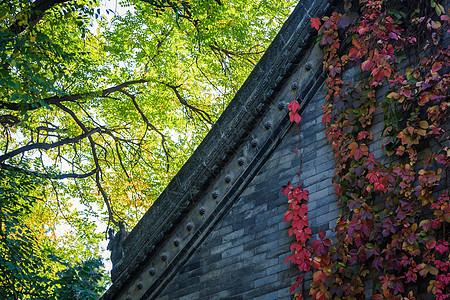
x=172 y=72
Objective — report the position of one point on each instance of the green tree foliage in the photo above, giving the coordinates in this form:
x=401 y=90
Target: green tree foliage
x=106 y=107
x=121 y=108
x=22 y=265
x=30 y=266
x=81 y=281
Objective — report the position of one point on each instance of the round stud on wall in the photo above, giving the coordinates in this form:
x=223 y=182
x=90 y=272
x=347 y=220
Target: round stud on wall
x=241 y=161
x=281 y=105
x=294 y=85
x=227 y=179
x=128 y=297
x=176 y=242
x=140 y=285
x=164 y=256
x=215 y=194
x=152 y=271
x=254 y=143
x=140 y=258
x=202 y=211
x=308 y=66
x=268 y=125
x=189 y=226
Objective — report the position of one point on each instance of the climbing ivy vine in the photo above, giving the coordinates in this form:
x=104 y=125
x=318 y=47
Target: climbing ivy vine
x=394 y=229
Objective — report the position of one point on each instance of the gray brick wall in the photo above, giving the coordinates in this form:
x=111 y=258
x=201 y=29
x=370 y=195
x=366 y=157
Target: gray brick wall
x=243 y=257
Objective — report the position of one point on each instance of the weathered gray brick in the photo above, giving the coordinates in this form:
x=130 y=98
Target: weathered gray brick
x=325 y=218
x=320 y=194
x=233 y=251
x=233 y=235
x=265 y=280
x=221 y=248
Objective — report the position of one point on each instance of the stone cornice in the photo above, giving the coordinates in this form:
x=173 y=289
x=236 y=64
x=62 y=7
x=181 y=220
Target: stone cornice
x=224 y=163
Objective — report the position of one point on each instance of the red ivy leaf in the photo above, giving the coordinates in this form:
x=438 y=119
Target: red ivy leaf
x=285 y=190
x=372 y=177
x=294 y=106
x=319 y=248
x=302 y=236
x=367 y=65
x=442 y=247
x=294 y=117
x=288 y=216
x=353 y=145
x=378 y=263
x=315 y=23
x=293 y=287
x=322 y=234
x=326 y=118
x=436 y=66
x=358 y=154
x=393 y=36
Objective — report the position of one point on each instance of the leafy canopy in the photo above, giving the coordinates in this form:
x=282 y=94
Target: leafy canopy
x=98 y=110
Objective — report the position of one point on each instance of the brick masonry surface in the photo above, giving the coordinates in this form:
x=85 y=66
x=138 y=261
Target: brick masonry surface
x=243 y=257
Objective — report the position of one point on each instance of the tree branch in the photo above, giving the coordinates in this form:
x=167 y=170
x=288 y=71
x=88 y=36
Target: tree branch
x=233 y=54
x=149 y=124
x=47 y=176
x=97 y=164
x=230 y=53
x=9 y=120
x=201 y=113
x=207 y=78
x=47 y=146
x=120 y=160
x=36 y=12
x=67 y=98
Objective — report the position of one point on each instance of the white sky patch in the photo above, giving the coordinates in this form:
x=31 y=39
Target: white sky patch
x=108 y=10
